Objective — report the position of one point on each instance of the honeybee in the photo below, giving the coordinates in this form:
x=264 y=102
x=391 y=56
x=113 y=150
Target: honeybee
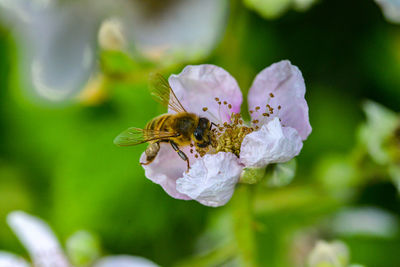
x=179 y=129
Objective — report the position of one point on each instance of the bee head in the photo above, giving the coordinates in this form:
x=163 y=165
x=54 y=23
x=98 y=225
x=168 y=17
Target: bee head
x=202 y=133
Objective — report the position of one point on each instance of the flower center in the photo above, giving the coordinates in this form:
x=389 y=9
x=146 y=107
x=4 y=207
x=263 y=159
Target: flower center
x=228 y=137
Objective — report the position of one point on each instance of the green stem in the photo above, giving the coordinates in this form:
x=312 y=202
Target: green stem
x=243 y=225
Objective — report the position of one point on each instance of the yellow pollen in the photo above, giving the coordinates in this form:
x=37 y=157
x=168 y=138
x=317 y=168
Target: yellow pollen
x=230 y=136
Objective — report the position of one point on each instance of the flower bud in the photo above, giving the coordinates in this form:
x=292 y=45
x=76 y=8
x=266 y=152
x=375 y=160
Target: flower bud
x=83 y=248
x=111 y=35
x=324 y=254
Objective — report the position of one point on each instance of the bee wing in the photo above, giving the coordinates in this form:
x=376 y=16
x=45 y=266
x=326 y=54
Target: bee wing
x=135 y=136
x=163 y=93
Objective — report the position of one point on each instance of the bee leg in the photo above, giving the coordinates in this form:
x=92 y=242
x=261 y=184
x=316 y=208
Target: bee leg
x=180 y=153
x=151 y=153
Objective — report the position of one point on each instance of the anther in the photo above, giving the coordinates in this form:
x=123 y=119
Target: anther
x=257 y=108
x=279 y=107
x=196 y=156
x=251 y=112
x=225 y=102
x=265 y=114
x=205 y=109
x=271 y=94
x=217 y=99
x=229 y=106
x=219 y=102
x=191 y=151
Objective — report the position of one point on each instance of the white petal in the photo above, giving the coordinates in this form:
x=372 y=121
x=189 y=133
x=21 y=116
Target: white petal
x=365 y=221
x=211 y=180
x=11 y=260
x=57 y=44
x=166 y=168
x=286 y=83
x=391 y=9
x=124 y=261
x=271 y=144
x=38 y=239
x=198 y=86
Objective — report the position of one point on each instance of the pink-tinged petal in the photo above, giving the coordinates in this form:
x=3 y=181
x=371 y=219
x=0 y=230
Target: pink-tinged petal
x=124 y=261
x=286 y=83
x=197 y=87
x=211 y=180
x=271 y=144
x=166 y=168
x=12 y=260
x=38 y=239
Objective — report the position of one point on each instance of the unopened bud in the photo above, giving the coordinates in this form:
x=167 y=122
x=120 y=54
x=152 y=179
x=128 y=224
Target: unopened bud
x=111 y=35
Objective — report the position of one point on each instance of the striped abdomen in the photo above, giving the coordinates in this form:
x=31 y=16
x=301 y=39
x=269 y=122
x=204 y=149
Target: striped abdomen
x=160 y=123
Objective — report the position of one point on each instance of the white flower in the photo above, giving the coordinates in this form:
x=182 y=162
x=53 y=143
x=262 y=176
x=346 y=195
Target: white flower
x=58 y=38
x=279 y=125
x=334 y=254
x=391 y=9
x=45 y=250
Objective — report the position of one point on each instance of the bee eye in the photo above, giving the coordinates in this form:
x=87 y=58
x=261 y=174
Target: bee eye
x=198 y=135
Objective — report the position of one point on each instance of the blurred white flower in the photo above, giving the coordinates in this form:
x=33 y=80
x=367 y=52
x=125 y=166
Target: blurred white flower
x=380 y=125
x=365 y=221
x=324 y=254
x=58 y=39
x=390 y=9
x=45 y=250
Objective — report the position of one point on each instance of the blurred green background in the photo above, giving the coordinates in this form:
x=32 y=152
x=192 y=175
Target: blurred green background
x=59 y=162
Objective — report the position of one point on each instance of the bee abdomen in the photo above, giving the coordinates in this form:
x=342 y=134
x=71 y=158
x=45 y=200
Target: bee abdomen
x=158 y=123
